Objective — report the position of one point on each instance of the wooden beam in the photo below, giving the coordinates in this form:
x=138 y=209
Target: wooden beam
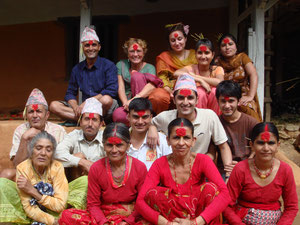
x=259 y=59
x=245 y=14
x=85 y=20
x=233 y=15
x=270 y=4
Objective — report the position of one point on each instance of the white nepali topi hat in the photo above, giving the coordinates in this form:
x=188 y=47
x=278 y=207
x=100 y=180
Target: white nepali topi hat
x=185 y=81
x=89 y=34
x=92 y=105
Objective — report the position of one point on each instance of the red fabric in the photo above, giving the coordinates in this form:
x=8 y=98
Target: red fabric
x=101 y=192
x=203 y=168
x=248 y=194
x=171 y=205
x=160 y=99
x=139 y=80
x=208 y=100
x=76 y=217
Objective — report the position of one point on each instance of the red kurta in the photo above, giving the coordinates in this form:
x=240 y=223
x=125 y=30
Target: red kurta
x=160 y=173
x=101 y=191
x=247 y=193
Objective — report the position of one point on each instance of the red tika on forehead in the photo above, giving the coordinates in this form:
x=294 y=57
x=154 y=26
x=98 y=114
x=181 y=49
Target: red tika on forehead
x=181 y=131
x=135 y=47
x=175 y=35
x=225 y=40
x=114 y=140
x=203 y=48
x=226 y=98
x=35 y=107
x=91 y=115
x=141 y=113
x=185 y=92
x=91 y=42
x=265 y=136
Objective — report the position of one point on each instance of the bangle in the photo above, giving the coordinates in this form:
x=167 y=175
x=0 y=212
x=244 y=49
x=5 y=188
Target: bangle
x=194 y=221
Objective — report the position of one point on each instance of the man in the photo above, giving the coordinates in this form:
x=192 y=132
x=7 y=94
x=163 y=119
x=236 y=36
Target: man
x=207 y=126
x=81 y=148
x=139 y=117
x=238 y=125
x=95 y=76
x=36 y=112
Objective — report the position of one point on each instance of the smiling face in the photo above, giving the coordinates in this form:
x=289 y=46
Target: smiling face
x=135 y=53
x=116 y=152
x=228 y=48
x=37 y=116
x=181 y=144
x=185 y=104
x=90 y=125
x=42 y=154
x=91 y=49
x=177 y=41
x=204 y=55
x=265 y=149
x=228 y=105
x=140 y=121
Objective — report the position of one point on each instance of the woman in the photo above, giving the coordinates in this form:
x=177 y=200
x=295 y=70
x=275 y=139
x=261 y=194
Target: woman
x=207 y=75
x=136 y=78
x=41 y=184
x=170 y=61
x=113 y=182
x=257 y=184
x=239 y=68
x=175 y=191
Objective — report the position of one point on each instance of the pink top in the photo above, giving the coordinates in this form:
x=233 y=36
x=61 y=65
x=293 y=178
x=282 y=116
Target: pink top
x=249 y=194
x=100 y=189
x=160 y=173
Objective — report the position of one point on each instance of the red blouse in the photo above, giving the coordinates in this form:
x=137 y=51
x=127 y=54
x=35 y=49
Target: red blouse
x=244 y=190
x=160 y=173
x=101 y=191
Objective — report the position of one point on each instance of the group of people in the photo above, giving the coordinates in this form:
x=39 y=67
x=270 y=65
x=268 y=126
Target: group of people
x=183 y=130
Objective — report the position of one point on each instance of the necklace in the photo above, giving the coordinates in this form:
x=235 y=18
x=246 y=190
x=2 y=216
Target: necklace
x=263 y=175
x=39 y=176
x=176 y=183
x=111 y=177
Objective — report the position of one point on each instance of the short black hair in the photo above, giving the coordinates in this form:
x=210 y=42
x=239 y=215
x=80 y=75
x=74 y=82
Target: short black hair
x=229 y=88
x=205 y=42
x=138 y=104
x=177 y=122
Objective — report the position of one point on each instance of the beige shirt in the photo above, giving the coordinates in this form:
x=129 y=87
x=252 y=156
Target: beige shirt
x=207 y=127
x=75 y=142
x=57 y=131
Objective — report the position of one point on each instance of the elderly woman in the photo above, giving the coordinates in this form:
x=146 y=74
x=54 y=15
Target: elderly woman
x=256 y=185
x=41 y=184
x=113 y=182
x=136 y=78
x=206 y=74
x=175 y=191
x=239 y=68
x=170 y=61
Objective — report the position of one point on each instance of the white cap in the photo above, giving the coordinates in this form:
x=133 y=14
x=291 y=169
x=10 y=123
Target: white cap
x=92 y=105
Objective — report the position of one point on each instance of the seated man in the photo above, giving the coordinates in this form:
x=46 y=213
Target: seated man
x=207 y=126
x=238 y=125
x=140 y=116
x=36 y=113
x=81 y=148
x=95 y=76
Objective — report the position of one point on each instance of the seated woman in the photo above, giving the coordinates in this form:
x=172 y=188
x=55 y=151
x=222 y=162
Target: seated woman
x=206 y=75
x=256 y=185
x=239 y=68
x=113 y=182
x=175 y=191
x=41 y=184
x=170 y=61
x=136 y=78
